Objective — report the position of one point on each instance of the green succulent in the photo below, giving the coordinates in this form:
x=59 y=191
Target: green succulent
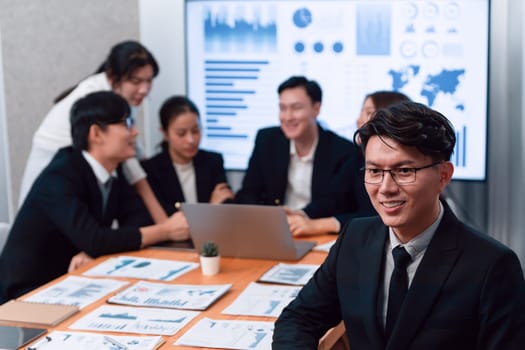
x=210 y=248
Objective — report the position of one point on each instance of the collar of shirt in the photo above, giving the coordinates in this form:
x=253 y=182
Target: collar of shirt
x=100 y=172
x=309 y=156
x=418 y=244
x=183 y=167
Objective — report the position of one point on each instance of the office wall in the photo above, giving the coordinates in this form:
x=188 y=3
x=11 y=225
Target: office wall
x=47 y=46
x=6 y=210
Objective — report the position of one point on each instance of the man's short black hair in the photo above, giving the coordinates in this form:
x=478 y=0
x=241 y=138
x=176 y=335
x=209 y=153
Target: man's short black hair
x=312 y=88
x=412 y=124
x=101 y=108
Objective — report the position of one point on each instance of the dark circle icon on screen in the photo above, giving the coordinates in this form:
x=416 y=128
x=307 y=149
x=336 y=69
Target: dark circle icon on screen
x=318 y=47
x=337 y=47
x=299 y=47
x=302 y=17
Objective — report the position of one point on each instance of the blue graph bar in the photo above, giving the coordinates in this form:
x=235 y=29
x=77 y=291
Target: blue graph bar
x=373 y=29
x=247 y=77
x=218 y=128
x=251 y=92
x=218 y=84
x=226 y=106
x=210 y=120
x=235 y=99
x=222 y=113
x=232 y=70
x=464 y=146
x=235 y=62
x=460 y=150
x=228 y=136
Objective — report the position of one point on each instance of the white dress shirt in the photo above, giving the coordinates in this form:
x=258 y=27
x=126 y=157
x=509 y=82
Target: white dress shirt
x=300 y=169
x=416 y=248
x=186 y=175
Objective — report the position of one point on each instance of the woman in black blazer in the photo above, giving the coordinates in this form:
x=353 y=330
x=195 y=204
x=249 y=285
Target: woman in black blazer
x=182 y=172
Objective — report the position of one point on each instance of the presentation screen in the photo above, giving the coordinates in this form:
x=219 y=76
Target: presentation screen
x=436 y=52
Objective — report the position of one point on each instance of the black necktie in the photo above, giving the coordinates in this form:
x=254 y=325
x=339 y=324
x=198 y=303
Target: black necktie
x=106 y=189
x=398 y=287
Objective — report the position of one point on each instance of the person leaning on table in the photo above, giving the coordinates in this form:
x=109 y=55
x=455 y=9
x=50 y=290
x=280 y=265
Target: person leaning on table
x=450 y=287
x=73 y=203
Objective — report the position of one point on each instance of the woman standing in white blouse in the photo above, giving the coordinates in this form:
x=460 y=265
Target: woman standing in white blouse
x=128 y=70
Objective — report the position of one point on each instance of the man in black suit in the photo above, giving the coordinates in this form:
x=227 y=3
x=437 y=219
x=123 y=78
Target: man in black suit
x=293 y=164
x=417 y=277
x=72 y=205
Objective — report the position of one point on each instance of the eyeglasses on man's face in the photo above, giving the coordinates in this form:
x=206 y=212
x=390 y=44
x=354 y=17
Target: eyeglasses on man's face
x=401 y=175
x=128 y=122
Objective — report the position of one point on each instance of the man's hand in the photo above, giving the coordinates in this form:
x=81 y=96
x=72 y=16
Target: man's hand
x=79 y=260
x=301 y=225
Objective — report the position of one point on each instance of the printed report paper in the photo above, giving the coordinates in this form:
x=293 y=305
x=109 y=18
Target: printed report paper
x=262 y=300
x=141 y=268
x=297 y=274
x=227 y=334
x=59 y=340
x=127 y=319
x=77 y=291
x=174 y=296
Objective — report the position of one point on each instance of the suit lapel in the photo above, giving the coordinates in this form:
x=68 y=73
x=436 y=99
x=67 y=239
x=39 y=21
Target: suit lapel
x=93 y=194
x=319 y=164
x=280 y=167
x=370 y=276
x=440 y=257
x=173 y=188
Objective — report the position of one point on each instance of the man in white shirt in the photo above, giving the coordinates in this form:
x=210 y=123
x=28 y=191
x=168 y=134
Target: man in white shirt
x=293 y=164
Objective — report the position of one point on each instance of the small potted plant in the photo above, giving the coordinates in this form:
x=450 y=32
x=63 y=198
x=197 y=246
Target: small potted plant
x=210 y=259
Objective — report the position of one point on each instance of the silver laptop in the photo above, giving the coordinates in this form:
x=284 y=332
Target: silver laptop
x=244 y=231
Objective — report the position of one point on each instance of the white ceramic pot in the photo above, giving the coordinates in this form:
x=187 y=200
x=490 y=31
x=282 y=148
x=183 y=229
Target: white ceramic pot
x=210 y=265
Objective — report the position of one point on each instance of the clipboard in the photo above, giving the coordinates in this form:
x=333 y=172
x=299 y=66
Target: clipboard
x=38 y=314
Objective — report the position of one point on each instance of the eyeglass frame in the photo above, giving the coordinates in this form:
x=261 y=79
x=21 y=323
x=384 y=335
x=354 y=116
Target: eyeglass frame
x=129 y=122
x=393 y=175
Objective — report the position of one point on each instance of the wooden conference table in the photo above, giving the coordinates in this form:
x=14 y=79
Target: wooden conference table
x=239 y=272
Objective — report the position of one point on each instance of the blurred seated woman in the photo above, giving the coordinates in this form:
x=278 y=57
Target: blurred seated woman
x=182 y=172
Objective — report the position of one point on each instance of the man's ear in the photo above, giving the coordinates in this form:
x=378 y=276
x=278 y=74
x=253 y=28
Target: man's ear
x=95 y=135
x=317 y=108
x=446 y=170
x=164 y=134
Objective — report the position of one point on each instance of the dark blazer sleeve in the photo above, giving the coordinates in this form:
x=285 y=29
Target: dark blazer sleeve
x=164 y=181
x=315 y=310
x=346 y=197
x=209 y=171
x=126 y=205
x=267 y=174
x=73 y=213
x=502 y=305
